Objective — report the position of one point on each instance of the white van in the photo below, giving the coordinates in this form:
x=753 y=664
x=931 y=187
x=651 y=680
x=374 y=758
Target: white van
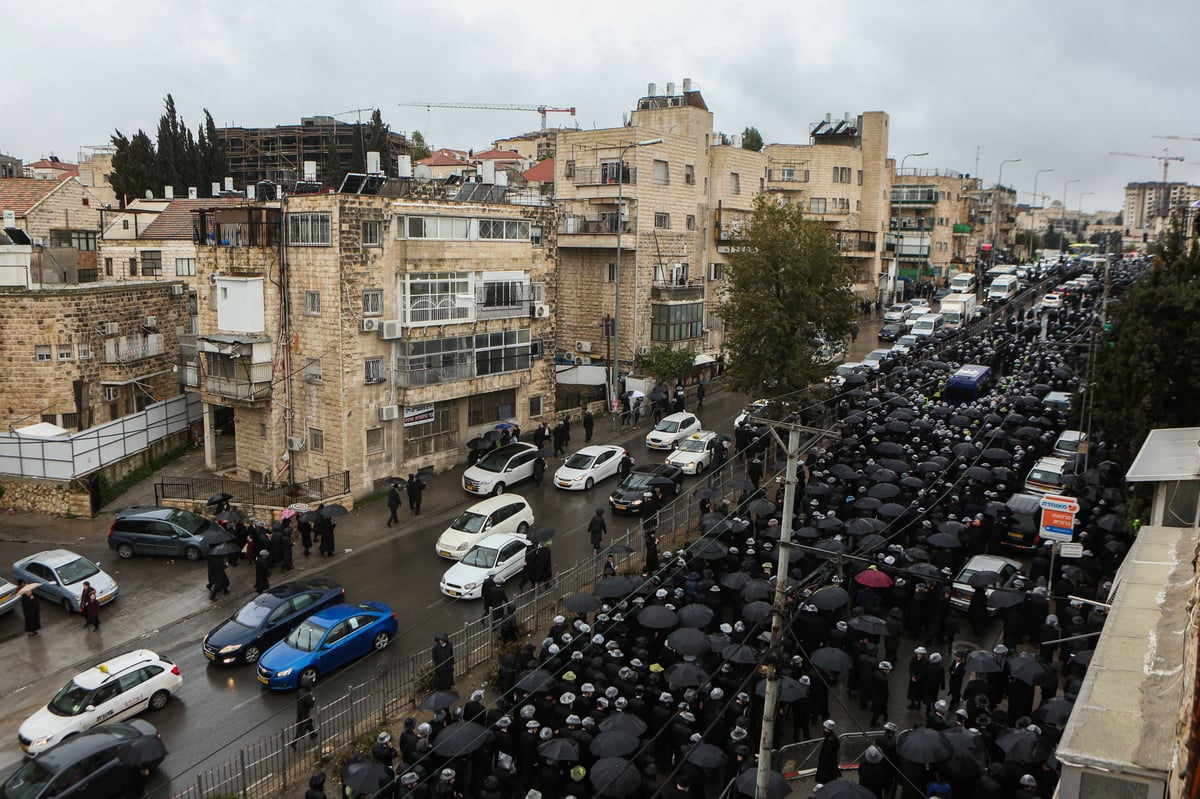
x=928 y=324
x=1003 y=288
x=962 y=283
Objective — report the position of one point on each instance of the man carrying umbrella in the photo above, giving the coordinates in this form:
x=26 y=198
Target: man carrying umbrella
x=218 y=579
x=323 y=527
x=415 y=487
x=393 y=502
x=879 y=692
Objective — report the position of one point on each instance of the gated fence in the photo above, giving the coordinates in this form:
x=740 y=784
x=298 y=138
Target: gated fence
x=252 y=494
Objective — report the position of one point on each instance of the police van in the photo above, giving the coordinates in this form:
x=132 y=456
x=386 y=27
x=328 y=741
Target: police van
x=968 y=384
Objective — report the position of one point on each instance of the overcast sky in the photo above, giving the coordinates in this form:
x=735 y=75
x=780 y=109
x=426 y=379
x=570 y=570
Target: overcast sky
x=1058 y=84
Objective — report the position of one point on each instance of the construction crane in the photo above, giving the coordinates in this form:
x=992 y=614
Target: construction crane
x=1180 y=138
x=1166 y=159
x=541 y=109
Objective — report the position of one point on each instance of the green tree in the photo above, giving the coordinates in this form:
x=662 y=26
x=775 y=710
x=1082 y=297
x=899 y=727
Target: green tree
x=332 y=169
x=180 y=158
x=669 y=365
x=377 y=141
x=787 y=287
x=752 y=139
x=171 y=161
x=134 y=170
x=417 y=147
x=1147 y=371
x=214 y=159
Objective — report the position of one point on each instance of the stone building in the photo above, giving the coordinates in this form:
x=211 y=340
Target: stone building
x=930 y=229
x=372 y=334
x=1150 y=207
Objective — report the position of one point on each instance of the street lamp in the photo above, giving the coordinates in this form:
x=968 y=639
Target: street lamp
x=910 y=155
x=1079 y=216
x=1031 y=207
x=1062 y=222
x=616 y=364
x=996 y=206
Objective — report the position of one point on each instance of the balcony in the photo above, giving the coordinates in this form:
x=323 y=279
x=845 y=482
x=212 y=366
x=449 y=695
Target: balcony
x=603 y=175
x=914 y=225
x=507 y=300
x=914 y=196
x=677 y=291
x=577 y=230
x=128 y=349
x=787 y=175
x=433 y=375
x=856 y=242
x=249 y=382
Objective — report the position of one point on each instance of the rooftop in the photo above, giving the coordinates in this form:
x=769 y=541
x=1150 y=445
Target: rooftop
x=176 y=221
x=1167 y=454
x=542 y=172
x=21 y=194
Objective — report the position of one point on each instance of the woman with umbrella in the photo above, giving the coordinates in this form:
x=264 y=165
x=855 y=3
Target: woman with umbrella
x=323 y=527
x=31 y=607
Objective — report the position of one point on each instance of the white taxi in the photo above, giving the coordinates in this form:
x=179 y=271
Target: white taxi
x=672 y=429
x=695 y=453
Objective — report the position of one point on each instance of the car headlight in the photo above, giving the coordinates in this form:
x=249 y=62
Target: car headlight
x=636 y=502
x=462 y=547
x=283 y=673
x=470 y=586
x=225 y=650
x=577 y=478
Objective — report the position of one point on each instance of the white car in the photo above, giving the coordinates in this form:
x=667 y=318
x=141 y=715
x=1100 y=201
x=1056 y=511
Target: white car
x=1052 y=300
x=111 y=691
x=696 y=452
x=8 y=596
x=588 y=466
x=844 y=370
x=876 y=358
x=500 y=555
x=671 y=429
x=60 y=575
x=906 y=343
x=507 y=513
x=756 y=407
x=920 y=306
x=897 y=313
x=961 y=590
x=500 y=468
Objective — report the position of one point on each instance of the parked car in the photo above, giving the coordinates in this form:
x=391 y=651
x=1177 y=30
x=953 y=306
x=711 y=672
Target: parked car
x=671 y=429
x=85 y=766
x=326 y=641
x=631 y=493
x=589 y=466
x=507 y=513
x=844 y=370
x=756 y=407
x=907 y=343
x=61 y=574
x=1072 y=444
x=500 y=468
x=265 y=620
x=891 y=331
x=173 y=532
x=695 y=453
x=875 y=359
x=116 y=689
x=897 y=312
x=961 y=591
x=920 y=306
x=8 y=596
x=500 y=555
x=1048 y=476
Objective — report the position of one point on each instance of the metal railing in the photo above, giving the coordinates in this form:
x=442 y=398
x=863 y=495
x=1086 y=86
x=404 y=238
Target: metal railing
x=603 y=175
x=251 y=494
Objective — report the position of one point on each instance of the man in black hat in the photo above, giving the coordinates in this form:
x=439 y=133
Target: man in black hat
x=442 y=655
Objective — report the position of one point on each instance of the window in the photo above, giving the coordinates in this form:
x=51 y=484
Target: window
x=787 y=173
x=436 y=227
x=535 y=406
x=108 y=267
x=610 y=275
x=497 y=406
x=662 y=220
x=816 y=205
x=501 y=351
x=373 y=370
x=312 y=370
x=152 y=263
x=125 y=224
x=376 y=439
x=372 y=235
x=309 y=229
x=689 y=174
x=662 y=172
x=185 y=267
x=312 y=303
x=716 y=271
x=316 y=439
x=841 y=174
x=427 y=362
x=569 y=169
x=506 y=229
x=691 y=221
x=735 y=183
x=85 y=351
x=860 y=173
x=609 y=170
x=372 y=302
x=505 y=294
x=74 y=239
x=66 y=352
x=438 y=297
x=70 y=420
x=43 y=352
x=676 y=321
x=133 y=266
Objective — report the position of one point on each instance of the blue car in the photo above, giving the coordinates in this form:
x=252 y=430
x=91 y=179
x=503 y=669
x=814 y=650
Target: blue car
x=326 y=641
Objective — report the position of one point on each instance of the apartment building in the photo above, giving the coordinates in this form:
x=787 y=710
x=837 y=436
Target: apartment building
x=1150 y=207
x=373 y=334
x=61 y=220
x=930 y=230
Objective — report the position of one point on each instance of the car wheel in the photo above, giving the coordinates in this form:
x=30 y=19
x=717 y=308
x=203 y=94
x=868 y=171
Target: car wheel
x=309 y=676
x=522 y=528
x=498 y=490
x=699 y=468
x=251 y=655
x=382 y=639
x=159 y=699
x=67 y=606
x=191 y=553
x=125 y=551
x=587 y=484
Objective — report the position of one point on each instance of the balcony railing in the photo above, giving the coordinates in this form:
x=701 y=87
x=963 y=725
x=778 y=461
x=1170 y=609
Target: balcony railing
x=603 y=175
x=911 y=224
x=253 y=383
x=506 y=301
x=125 y=349
x=433 y=375
x=787 y=175
x=856 y=241
x=685 y=290
x=606 y=224
x=919 y=196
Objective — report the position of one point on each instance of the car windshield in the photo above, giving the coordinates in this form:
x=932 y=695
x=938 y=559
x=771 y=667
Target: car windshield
x=690 y=445
x=469 y=522
x=494 y=461
x=307 y=637
x=847 y=369
x=897 y=309
x=28 y=782
x=71 y=700
x=1067 y=445
x=76 y=570
x=255 y=612
x=188 y=521
x=1043 y=476
x=636 y=480
x=667 y=426
x=580 y=461
x=908 y=341
x=483 y=557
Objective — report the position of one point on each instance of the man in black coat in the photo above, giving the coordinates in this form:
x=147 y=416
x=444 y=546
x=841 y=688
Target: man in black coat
x=262 y=571
x=442 y=656
x=218 y=580
x=415 y=489
x=879 y=691
x=597 y=527
x=305 y=702
x=589 y=424
x=828 y=767
x=393 y=502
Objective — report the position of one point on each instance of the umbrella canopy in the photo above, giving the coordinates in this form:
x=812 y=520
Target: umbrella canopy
x=923 y=745
x=217 y=499
x=944 y=541
x=615 y=777
x=143 y=750
x=757 y=590
x=478 y=444
x=742 y=485
x=890 y=510
x=870 y=543
x=617 y=549
x=460 y=738
x=871 y=625
x=1023 y=746
x=761 y=507
x=755 y=612
x=841 y=471
x=1003 y=598
x=623 y=722
x=708 y=549
x=868 y=503
x=615 y=587
x=695 y=615
x=832 y=545
x=865 y=525
x=365 y=776
x=707 y=493
x=309 y=516
x=686 y=675
x=983 y=662
x=884 y=491
x=983 y=579
x=873 y=578
x=831 y=597
x=615 y=743
x=224 y=548
x=657 y=617
x=889 y=449
x=790 y=689
x=1054 y=711
x=841 y=789
x=540 y=535
x=884 y=476
x=996 y=455
x=560 y=750
x=581 y=603
x=230 y=516
x=777 y=786
x=739 y=653
x=706 y=756
x=1030 y=669
x=953 y=527
x=333 y=510
x=1110 y=524
x=832 y=659
x=439 y=700
x=688 y=641
x=535 y=682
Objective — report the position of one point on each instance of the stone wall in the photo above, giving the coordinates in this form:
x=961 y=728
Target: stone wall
x=69 y=207
x=50 y=497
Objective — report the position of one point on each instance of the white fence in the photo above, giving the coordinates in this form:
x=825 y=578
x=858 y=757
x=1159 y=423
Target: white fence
x=88 y=450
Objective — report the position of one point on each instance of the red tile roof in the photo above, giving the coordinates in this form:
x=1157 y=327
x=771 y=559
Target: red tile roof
x=20 y=194
x=542 y=172
x=499 y=155
x=175 y=221
x=460 y=154
x=440 y=159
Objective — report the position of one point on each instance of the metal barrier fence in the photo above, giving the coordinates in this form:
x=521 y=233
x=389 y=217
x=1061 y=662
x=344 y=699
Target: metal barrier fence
x=250 y=493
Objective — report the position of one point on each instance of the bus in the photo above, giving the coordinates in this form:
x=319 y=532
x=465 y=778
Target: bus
x=1080 y=249
x=1096 y=264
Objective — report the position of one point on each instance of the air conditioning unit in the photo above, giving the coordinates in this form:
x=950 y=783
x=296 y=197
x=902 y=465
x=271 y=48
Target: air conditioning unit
x=150 y=323
x=295 y=443
x=389 y=413
x=176 y=290
x=112 y=329
x=112 y=393
x=391 y=329
x=539 y=311
x=643 y=350
x=583 y=346
x=369 y=325
x=314 y=377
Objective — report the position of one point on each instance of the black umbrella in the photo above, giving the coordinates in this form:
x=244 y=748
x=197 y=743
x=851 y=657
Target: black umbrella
x=996 y=455
x=657 y=617
x=944 y=541
x=890 y=510
x=480 y=444
x=1054 y=711
x=333 y=510
x=460 y=738
x=695 y=615
x=1005 y=598
x=777 y=786
x=761 y=507
x=983 y=579
x=929 y=467
x=217 y=499
x=540 y=535
x=1029 y=669
x=1023 y=746
x=617 y=549
x=870 y=543
x=739 y=653
x=144 y=750
x=656 y=396
x=688 y=641
x=708 y=549
x=841 y=471
x=818 y=490
x=831 y=597
x=734 y=581
x=832 y=546
x=952 y=527
x=830 y=658
x=923 y=745
x=757 y=590
x=841 y=789
x=742 y=485
x=560 y=750
x=884 y=476
x=912 y=481
x=830 y=525
x=754 y=612
x=659 y=480
x=980 y=473
x=707 y=756
x=229 y=516
x=1110 y=524
x=983 y=662
x=864 y=525
x=969 y=758
x=615 y=777
x=216 y=535
x=868 y=503
x=535 y=682
x=492 y=436
x=707 y=493
x=582 y=603
x=889 y=449
x=309 y=516
x=224 y=548
x=439 y=700
x=365 y=777
x=613 y=744
x=790 y=689
x=871 y=625
x=623 y=722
